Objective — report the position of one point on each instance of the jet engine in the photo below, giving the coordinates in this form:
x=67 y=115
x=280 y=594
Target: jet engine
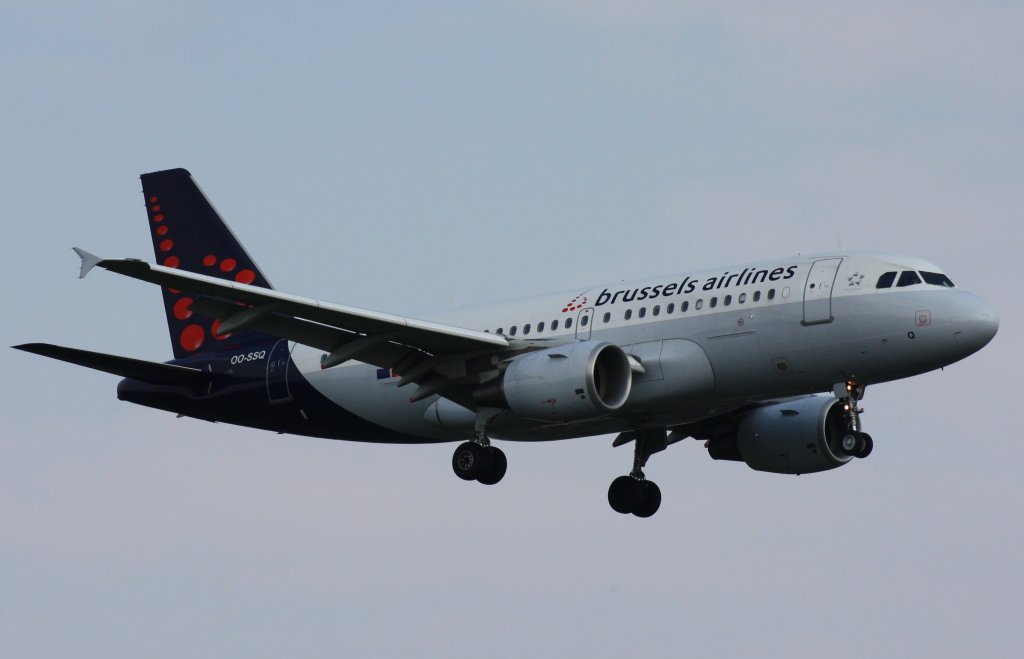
x=800 y=436
x=568 y=383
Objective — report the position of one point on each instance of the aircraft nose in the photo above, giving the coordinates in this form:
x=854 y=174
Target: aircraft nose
x=975 y=322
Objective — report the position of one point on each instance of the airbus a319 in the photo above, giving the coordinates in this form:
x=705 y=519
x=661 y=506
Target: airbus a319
x=765 y=362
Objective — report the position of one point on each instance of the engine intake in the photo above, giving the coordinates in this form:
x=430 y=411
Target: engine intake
x=568 y=383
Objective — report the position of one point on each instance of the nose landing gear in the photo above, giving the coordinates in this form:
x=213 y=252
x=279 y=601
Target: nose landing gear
x=854 y=441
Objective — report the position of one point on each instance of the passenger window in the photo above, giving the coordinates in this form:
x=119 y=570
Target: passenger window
x=727 y=301
x=757 y=296
x=568 y=323
x=785 y=292
x=714 y=302
x=908 y=278
x=540 y=327
x=742 y=298
x=684 y=306
x=886 y=280
x=607 y=317
x=643 y=311
x=526 y=329
x=936 y=279
x=670 y=308
x=554 y=325
x=771 y=293
x=699 y=305
x=501 y=330
x=656 y=310
x=628 y=314
x=512 y=331
x=584 y=321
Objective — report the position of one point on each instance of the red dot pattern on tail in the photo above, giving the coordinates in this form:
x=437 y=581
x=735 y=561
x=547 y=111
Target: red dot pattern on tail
x=192 y=336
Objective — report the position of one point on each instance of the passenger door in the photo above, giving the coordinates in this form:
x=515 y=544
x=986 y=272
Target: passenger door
x=818 y=291
x=584 y=321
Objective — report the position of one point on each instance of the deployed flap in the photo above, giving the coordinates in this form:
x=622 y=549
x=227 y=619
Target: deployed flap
x=433 y=338
x=136 y=369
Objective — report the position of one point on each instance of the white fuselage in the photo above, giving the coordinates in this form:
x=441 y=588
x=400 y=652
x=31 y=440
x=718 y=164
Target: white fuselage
x=709 y=342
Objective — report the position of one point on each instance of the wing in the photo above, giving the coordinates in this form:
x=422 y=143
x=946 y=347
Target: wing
x=438 y=357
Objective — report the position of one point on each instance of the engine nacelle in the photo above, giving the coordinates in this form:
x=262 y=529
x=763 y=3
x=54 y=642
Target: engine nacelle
x=796 y=437
x=568 y=383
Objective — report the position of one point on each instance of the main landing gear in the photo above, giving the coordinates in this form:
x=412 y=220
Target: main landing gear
x=473 y=461
x=854 y=441
x=634 y=493
x=477 y=460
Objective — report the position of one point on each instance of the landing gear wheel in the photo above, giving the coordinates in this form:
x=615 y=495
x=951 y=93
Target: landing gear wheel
x=497 y=464
x=864 y=445
x=623 y=494
x=469 y=461
x=850 y=443
x=650 y=499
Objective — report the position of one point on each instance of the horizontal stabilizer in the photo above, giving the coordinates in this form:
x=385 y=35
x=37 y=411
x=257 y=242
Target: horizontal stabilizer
x=136 y=369
x=89 y=261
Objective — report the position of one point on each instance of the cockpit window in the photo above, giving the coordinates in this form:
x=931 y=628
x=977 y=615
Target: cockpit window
x=886 y=280
x=908 y=278
x=936 y=279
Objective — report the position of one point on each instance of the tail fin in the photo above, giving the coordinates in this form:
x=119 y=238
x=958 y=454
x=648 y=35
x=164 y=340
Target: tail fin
x=188 y=233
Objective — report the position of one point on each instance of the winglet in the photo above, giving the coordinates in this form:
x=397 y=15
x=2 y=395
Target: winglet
x=89 y=261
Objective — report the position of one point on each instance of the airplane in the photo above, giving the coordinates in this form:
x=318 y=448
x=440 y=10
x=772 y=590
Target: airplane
x=766 y=362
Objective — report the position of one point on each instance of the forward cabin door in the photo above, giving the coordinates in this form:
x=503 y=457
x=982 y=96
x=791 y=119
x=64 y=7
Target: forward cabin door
x=584 y=322
x=818 y=291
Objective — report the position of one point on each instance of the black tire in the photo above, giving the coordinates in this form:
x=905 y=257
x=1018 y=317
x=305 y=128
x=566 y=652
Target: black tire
x=865 y=445
x=469 y=461
x=650 y=499
x=496 y=468
x=623 y=494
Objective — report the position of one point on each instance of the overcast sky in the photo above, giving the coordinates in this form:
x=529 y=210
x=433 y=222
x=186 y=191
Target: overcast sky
x=411 y=156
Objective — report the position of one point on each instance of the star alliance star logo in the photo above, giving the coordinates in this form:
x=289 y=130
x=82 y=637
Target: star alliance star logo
x=855 y=279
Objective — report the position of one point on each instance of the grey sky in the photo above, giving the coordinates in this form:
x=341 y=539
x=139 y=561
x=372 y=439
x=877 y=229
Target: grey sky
x=405 y=156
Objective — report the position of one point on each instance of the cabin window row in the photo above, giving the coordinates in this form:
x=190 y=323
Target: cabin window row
x=684 y=306
x=527 y=328
x=656 y=310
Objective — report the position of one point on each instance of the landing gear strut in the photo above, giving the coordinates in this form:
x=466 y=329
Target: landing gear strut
x=854 y=441
x=634 y=493
x=477 y=460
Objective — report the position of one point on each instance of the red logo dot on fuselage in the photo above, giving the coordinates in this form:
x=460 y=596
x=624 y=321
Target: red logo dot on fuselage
x=209 y=260
x=161 y=230
x=153 y=200
x=166 y=245
x=228 y=264
x=172 y=262
x=158 y=218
